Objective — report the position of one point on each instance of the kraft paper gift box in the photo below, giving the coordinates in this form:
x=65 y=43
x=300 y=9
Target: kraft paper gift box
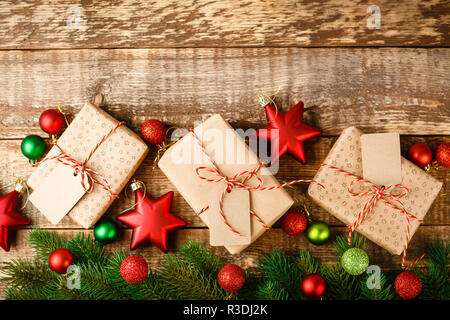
x=116 y=159
x=268 y=205
x=384 y=225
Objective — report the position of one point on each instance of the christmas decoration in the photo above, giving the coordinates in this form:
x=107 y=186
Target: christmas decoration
x=151 y=219
x=318 y=232
x=355 y=261
x=153 y=131
x=231 y=278
x=106 y=231
x=192 y=274
x=10 y=219
x=366 y=207
x=59 y=260
x=286 y=131
x=313 y=286
x=103 y=150
x=408 y=285
x=33 y=147
x=51 y=121
x=420 y=154
x=443 y=155
x=134 y=269
x=294 y=223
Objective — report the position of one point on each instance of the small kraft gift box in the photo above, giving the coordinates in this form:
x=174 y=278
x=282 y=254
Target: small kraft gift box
x=388 y=214
x=224 y=182
x=87 y=168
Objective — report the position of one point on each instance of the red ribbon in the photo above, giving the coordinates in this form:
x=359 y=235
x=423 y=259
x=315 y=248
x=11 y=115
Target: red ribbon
x=80 y=167
x=237 y=181
x=376 y=194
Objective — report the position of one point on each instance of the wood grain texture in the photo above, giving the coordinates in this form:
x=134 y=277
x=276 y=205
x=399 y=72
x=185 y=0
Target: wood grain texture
x=386 y=89
x=13 y=163
x=206 y=23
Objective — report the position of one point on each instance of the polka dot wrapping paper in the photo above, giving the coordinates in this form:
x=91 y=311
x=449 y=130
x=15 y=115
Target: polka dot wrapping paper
x=384 y=225
x=116 y=159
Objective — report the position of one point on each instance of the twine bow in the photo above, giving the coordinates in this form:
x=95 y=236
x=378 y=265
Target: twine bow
x=379 y=193
x=85 y=172
x=237 y=181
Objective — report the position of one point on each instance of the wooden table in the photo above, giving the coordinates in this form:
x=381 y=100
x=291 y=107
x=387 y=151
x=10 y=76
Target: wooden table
x=182 y=61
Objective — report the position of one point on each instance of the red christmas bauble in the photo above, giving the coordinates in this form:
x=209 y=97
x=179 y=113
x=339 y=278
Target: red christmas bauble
x=134 y=269
x=294 y=223
x=443 y=154
x=420 y=154
x=231 y=278
x=408 y=285
x=153 y=131
x=51 y=121
x=59 y=260
x=313 y=286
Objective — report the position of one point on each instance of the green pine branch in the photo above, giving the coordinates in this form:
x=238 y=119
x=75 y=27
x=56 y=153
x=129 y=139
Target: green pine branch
x=341 y=243
x=436 y=277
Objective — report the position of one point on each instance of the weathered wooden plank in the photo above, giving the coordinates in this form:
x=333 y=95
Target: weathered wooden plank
x=273 y=239
x=13 y=163
x=385 y=89
x=205 y=23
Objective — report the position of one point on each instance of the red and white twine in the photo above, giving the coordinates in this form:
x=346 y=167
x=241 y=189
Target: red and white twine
x=80 y=167
x=237 y=181
x=376 y=194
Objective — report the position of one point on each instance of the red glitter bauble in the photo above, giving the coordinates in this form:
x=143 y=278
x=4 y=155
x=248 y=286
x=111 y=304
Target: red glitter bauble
x=231 y=278
x=313 y=286
x=134 y=269
x=59 y=260
x=153 y=131
x=408 y=285
x=51 y=121
x=443 y=154
x=294 y=223
x=420 y=154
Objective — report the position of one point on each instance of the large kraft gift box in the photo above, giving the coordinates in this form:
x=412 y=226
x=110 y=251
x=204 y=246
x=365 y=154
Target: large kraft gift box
x=116 y=159
x=268 y=205
x=384 y=225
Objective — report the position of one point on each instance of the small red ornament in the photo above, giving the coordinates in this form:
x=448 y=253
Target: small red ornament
x=51 y=121
x=294 y=223
x=313 y=286
x=59 y=260
x=151 y=220
x=10 y=219
x=408 y=285
x=420 y=154
x=443 y=155
x=231 y=278
x=153 y=131
x=286 y=131
x=134 y=269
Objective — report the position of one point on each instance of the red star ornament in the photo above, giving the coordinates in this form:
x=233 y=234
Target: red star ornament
x=10 y=219
x=151 y=220
x=292 y=132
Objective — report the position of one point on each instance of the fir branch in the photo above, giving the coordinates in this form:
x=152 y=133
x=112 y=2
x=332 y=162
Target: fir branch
x=306 y=263
x=271 y=290
x=45 y=242
x=200 y=257
x=190 y=282
x=27 y=273
x=385 y=292
x=435 y=278
x=150 y=289
x=24 y=293
x=341 y=243
x=279 y=268
x=340 y=284
x=86 y=251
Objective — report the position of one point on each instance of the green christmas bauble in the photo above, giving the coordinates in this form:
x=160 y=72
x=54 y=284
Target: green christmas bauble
x=318 y=232
x=355 y=261
x=106 y=231
x=33 y=147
